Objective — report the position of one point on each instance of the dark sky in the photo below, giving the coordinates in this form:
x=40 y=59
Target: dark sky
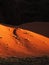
x=38 y=27
x=16 y=12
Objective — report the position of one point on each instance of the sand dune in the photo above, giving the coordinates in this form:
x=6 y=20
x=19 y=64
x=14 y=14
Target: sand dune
x=22 y=43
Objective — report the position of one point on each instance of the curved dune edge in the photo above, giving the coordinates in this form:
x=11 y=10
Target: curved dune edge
x=23 y=43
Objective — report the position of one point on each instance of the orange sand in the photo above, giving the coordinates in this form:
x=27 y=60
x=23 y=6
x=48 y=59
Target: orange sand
x=26 y=44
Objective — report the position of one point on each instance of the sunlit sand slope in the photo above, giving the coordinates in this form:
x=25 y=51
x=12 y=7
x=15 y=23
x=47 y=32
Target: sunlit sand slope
x=22 y=43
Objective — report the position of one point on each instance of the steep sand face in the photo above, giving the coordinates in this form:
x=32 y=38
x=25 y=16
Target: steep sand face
x=22 y=43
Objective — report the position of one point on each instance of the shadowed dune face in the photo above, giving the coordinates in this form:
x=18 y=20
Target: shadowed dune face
x=22 y=43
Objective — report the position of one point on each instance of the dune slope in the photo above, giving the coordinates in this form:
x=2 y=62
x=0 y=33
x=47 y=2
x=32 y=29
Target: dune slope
x=22 y=43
